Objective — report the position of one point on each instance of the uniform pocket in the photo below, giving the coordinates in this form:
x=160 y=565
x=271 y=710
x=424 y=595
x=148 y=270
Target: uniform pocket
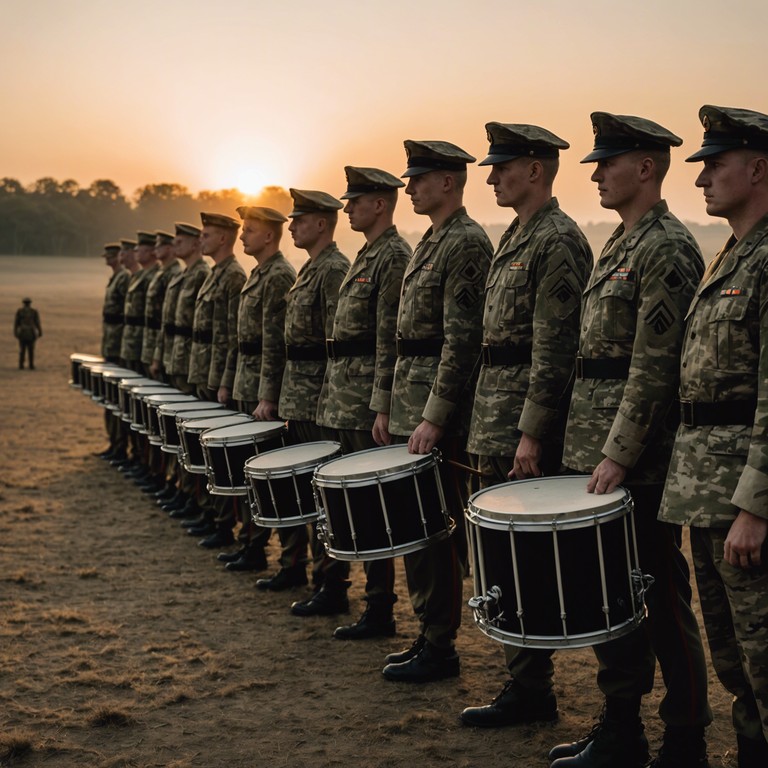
x=617 y=310
x=731 y=332
x=428 y=298
x=729 y=441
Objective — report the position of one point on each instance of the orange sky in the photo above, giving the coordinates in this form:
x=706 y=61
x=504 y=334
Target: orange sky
x=247 y=93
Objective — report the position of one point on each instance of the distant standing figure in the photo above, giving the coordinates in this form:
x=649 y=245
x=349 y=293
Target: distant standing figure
x=26 y=328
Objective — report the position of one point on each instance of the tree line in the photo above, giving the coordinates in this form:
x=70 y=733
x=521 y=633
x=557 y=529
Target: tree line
x=50 y=217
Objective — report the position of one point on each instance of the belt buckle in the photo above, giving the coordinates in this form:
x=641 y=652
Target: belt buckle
x=686 y=413
x=579 y=367
x=485 y=351
x=330 y=349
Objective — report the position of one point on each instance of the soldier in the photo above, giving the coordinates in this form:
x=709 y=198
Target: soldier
x=168 y=268
x=261 y=351
x=439 y=331
x=26 y=328
x=111 y=337
x=135 y=299
x=619 y=430
x=357 y=391
x=718 y=476
x=214 y=349
x=311 y=306
x=530 y=339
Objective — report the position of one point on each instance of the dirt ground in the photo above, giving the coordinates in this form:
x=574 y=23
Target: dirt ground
x=123 y=643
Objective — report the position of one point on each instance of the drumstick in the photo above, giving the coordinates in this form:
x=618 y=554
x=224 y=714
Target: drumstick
x=466 y=468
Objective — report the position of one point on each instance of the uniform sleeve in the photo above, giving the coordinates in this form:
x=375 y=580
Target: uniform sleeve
x=467 y=269
x=329 y=296
x=561 y=276
x=386 y=330
x=234 y=285
x=273 y=336
x=667 y=284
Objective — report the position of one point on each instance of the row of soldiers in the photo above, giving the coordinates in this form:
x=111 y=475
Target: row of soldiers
x=531 y=360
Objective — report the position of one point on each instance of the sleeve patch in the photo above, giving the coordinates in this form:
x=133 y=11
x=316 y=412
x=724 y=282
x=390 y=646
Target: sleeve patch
x=467 y=296
x=660 y=318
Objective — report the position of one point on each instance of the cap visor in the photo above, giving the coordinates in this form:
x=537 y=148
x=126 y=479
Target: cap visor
x=416 y=171
x=496 y=159
x=351 y=195
x=602 y=154
x=710 y=149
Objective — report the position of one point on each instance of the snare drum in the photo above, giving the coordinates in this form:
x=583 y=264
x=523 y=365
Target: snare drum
x=96 y=386
x=191 y=452
x=279 y=483
x=166 y=419
x=380 y=503
x=554 y=566
x=75 y=361
x=124 y=387
x=111 y=381
x=226 y=449
x=138 y=419
x=84 y=373
x=151 y=403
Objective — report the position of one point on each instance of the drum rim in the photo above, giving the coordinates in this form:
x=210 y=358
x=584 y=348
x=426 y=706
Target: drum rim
x=181 y=416
x=387 y=475
x=137 y=395
x=177 y=398
x=214 y=441
x=283 y=471
x=188 y=426
x=203 y=405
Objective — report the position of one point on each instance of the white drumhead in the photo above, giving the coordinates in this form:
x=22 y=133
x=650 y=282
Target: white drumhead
x=542 y=499
x=199 y=425
x=386 y=460
x=171 y=409
x=169 y=396
x=259 y=430
x=292 y=456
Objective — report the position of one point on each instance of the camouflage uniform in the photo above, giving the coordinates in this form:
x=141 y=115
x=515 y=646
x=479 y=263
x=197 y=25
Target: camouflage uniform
x=631 y=333
x=164 y=344
x=153 y=309
x=133 y=332
x=192 y=280
x=214 y=335
x=112 y=314
x=260 y=332
x=26 y=328
x=532 y=299
x=440 y=305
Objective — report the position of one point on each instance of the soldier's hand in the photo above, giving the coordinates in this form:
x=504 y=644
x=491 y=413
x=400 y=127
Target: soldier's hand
x=380 y=429
x=527 y=458
x=425 y=437
x=266 y=410
x=607 y=475
x=744 y=542
x=223 y=395
x=154 y=369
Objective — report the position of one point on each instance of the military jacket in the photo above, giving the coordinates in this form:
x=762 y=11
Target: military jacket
x=153 y=308
x=633 y=310
x=133 y=332
x=192 y=280
x=441 y=301
x=310 y=309
x=532 y=299
x=261 y=325
x=717 y=470
x=164 y=342
x=26 y=325
x=214 y=328
x=357 y=388
x=112 y=313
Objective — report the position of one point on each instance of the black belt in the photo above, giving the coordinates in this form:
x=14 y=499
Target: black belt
x=169 y=329
x=135 y=321
x=112 y=319
x=602 y=367
x=249 y=347
x=203 y=337
x=153 y=324
x=349 y=348
x=419 y=347
x=505 y=355
x=731 y=412
x=182 y=330
x=295 y=352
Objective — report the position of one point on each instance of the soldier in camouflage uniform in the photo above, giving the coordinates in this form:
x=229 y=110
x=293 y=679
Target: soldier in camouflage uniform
x=355 y=401
x=168 y=268
x=530 y=339
x=310 y=309
x=135 y=299
x=261 y=351
x=214 y=349
x=439 y=331
x=718 y=476
x=620 y=429
x=27 y=329
x=111 y=336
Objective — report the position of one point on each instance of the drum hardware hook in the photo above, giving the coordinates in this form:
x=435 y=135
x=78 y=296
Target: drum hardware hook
x=491 y=597
x=641 y=583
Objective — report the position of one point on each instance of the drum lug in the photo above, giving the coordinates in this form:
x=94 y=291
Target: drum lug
x=480 y=604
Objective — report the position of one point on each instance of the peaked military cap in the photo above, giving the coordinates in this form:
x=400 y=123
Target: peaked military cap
x=26 y=300
x=311 y=201
x=617 y=134
x=127 y=243
x=146 y=238
x=363 y=180
x=426 y=156
x=219 y=220
x=730 y=128
x=163 y=238
x=110 y=249
x=182 y=228
x=261 y=213
x=512 y=140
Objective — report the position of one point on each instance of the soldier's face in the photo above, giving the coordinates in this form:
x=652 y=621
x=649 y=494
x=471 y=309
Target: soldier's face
x=305 y=230
x=145 y=254
x=617 y=180
x=362 y=212
x=163 y=252
x=255 y=237
x=184 y=246
x=210 y=240
x=726 y=181
x=510 y=181
x=127 y=257
x=426 y=191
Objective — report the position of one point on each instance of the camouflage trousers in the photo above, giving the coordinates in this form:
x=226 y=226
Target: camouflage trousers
x=734 y=602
